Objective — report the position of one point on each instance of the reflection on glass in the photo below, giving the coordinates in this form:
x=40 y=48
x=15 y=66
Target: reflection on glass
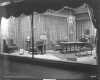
x=54 y=38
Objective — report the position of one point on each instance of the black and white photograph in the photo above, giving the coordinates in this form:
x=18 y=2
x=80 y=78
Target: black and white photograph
x=49 y=40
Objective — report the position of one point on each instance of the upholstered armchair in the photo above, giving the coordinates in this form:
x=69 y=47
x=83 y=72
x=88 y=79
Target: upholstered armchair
x=9 y=46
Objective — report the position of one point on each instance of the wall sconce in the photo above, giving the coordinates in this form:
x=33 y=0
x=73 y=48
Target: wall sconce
x=71 y=19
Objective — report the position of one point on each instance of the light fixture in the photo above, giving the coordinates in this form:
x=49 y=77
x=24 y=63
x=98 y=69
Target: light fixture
x=71 y=19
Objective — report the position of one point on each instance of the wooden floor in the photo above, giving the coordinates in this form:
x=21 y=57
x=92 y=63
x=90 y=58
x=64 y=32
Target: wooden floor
x=15 y=68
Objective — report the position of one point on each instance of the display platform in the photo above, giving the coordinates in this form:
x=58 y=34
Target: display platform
x=56 y=56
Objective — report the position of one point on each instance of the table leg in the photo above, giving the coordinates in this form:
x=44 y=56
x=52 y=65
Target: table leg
x=70 y=48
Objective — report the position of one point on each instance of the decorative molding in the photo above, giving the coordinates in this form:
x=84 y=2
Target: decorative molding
x=83 y=18
x=55 y=14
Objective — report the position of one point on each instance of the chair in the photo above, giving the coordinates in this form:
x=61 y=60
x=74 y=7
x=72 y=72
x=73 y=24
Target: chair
x=9 y=46
x=41 y=46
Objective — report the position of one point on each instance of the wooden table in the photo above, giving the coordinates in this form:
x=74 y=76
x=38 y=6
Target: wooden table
x=73 y=46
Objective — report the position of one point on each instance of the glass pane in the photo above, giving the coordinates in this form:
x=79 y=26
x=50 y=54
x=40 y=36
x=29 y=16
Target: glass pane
x=60 y=36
